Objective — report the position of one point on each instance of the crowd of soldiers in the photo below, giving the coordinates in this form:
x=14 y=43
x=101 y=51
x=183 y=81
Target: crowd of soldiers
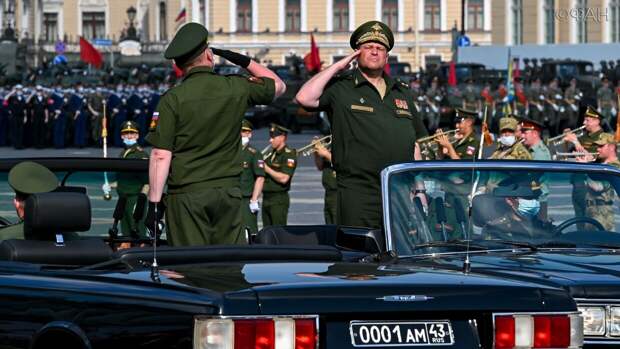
x=40 y=117
x=546 y=103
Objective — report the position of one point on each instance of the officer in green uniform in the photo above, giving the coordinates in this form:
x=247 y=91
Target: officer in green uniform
x=252 y=179
x=531 y=133
x=26 y=178
x=467 y=146
x=280 y=164
x=508 y=147
x=129 y=184
x=373 y=120
x=600 y=195
x=196 y=137
x=323 y=162
x=592 y=121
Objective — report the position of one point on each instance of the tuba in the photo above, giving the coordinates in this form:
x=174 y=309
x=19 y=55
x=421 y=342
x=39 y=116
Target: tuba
x=311 y=148
x=558 y=140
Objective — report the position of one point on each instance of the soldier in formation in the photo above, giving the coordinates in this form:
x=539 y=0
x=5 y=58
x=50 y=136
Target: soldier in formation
x=252 y=179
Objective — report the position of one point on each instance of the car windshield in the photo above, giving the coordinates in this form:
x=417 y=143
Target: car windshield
x=510 y=208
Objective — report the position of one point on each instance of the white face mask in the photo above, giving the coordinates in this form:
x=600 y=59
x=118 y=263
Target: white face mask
x=245 y=141
x=507 y=140
x=528 y=208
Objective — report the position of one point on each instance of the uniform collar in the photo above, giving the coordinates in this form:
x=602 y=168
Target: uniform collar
x=359 y=79
x=199 y=69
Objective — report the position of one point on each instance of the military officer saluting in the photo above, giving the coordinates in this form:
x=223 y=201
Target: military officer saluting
x=600 y=195
x=467 y=146
x=508 y=147
x=280 y=164
x=364 y=105
x=26 y=178
x=252 y=179
x=196 y=138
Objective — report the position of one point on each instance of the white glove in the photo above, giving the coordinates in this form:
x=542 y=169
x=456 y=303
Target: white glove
x=254 y=207
x=541 y=97
x=613 y=110
x=558 y=96
x=106 y=188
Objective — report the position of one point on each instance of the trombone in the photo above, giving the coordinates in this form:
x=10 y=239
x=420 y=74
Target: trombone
x=573 y=156
x=311 y=148
x=558 y=140
x=429 y=146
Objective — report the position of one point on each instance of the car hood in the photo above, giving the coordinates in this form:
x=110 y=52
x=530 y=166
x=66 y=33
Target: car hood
x=586 y=273
x=310 y=288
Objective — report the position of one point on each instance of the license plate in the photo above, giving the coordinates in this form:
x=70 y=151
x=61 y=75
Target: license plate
x=401 y=333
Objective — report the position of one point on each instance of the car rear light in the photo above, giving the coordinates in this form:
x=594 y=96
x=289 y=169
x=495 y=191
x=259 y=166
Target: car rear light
x=256 y=333
x=525 y=331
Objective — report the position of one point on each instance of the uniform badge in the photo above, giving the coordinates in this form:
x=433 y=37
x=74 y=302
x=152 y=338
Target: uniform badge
x=245 y=164
x=154 y=120
x=470 y=150
x=362 y=100
x=260 y=163
x=290 y=163
x=256 y=80
x=401 y=103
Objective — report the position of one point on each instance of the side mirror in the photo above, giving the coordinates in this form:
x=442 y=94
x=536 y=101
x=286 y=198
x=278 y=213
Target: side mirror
x=361 y=239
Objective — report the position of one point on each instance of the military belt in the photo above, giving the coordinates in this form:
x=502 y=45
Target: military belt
x=230 y=182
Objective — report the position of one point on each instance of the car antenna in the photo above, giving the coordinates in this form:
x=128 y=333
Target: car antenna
x=154 y=265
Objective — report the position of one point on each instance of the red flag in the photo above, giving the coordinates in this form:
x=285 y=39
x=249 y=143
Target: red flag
x=452 y=74
x=313 y=60
x=181 y=15
x=516 y=72
x=89 y=54
x=177 y=71
x=387 y=69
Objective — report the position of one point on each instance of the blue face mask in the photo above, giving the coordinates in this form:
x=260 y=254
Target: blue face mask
x=129 y=142
x=528 y=208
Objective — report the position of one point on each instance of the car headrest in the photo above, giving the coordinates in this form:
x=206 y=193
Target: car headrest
x=486 y=208
x=77 y=252
x=297 y=235
x=47 y=214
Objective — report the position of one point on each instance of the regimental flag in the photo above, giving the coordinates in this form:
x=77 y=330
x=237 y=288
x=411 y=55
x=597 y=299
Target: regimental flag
x=89 y=54
x=312 y=60
x=452 y=74
x=182 y=16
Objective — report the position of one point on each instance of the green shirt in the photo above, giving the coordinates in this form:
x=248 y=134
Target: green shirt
x=467 y=147
x=199 y=121
x=253 y=166
x=369 y=133
x=131 y=183
x=540 y=152
x=284 y=161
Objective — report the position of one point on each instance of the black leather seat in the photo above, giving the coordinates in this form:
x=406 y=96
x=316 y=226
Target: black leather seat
x=51 y=223
x=297 y=235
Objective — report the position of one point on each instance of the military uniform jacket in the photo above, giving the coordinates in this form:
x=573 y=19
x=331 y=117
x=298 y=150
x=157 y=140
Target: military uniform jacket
x=253 y=166
x=368 y=132
x=328 y=177
x=607 y=195
x=199 y=121
x=540 y=152
x=284 y=161
x=467 y=148
x=516 y=151
x=587 y=141
x=131 y=183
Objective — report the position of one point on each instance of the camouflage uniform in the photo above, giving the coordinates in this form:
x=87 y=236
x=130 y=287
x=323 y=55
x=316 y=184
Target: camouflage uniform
x=600 y=203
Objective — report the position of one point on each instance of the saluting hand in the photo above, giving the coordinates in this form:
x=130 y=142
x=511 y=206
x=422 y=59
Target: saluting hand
x=346 y=61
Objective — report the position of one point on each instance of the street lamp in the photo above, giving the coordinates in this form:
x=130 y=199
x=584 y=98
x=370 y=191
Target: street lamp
x=132 y=33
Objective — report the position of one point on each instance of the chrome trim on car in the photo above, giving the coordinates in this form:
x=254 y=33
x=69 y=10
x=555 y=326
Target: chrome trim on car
x=603 y=303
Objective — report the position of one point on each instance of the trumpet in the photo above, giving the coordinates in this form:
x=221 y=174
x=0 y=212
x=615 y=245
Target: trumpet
x=558 y=140
x=311 y=148
x=572 y=156
x=429 y=145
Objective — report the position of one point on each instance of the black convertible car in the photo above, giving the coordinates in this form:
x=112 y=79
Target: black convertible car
x=552 y=222
x=316 y=287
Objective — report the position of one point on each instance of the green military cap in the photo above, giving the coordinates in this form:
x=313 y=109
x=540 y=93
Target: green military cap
x=246 y=125
x=31 y=178
x=508 y=123
x=129 y=126
x=462 y=114
x=372 y=31
x=592 y=113
x=524 y=186
x=277 y=130
x=605 y=138
x=190 y=41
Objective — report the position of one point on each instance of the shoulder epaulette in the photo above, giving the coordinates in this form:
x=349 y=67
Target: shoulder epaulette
x=251 y=150
x=402 y=83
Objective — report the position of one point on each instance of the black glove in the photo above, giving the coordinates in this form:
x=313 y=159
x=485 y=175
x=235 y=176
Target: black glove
x=154 y=221
x=233 y=57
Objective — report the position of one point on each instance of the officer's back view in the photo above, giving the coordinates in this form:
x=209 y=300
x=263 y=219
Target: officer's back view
x=196 y=136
